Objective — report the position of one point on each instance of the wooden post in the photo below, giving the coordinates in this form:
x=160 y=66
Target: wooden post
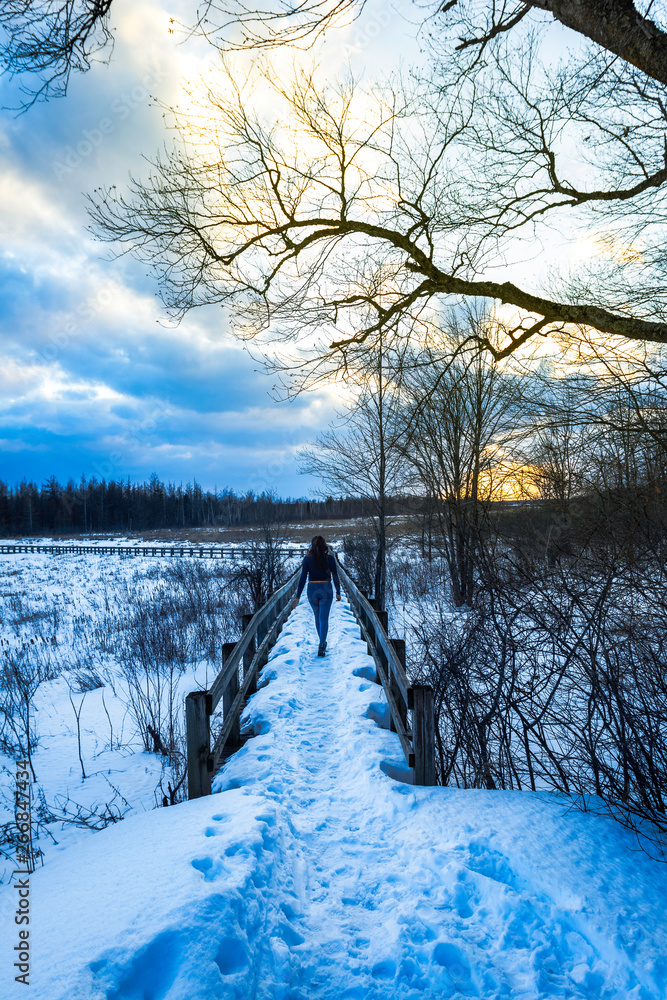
x=399 y=648
x=423 y=733
x=369 y=625
x=198 y=732
x=228 y=696
x=383 y=620
x=250 y=651
x=262 y=629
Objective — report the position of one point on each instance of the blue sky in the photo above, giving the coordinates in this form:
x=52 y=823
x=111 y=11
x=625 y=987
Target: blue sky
x=93 y=378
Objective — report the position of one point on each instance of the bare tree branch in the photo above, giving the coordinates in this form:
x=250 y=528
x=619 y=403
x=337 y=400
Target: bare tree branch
x=49 y=40
x=617 y=26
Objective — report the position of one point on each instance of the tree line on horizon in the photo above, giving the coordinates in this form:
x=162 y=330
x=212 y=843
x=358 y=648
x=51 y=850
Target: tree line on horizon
x=121 y=505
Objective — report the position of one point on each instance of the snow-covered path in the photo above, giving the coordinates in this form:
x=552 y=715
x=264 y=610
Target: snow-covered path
x=314 y=873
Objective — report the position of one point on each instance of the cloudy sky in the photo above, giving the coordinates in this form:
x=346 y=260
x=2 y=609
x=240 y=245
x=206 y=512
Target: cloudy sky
x=93 y=378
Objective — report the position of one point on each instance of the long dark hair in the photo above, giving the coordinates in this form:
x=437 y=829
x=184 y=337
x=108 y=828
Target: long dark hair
x=319 y=550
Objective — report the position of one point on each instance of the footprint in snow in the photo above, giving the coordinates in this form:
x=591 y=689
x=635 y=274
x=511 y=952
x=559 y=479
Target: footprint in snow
x=384 y=970
x=464 y=894
x=231 y=956
x=456 y=965
x=486 y=861
x=150 y=972
x=209 y=867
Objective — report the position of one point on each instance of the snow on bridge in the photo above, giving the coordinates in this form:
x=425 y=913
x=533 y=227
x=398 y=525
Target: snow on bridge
x=315 y=872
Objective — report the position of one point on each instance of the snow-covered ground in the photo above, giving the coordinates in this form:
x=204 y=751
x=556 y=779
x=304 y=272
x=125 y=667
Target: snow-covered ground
x=312 y=872
x=67 y=617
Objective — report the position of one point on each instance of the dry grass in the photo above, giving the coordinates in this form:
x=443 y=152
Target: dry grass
x=334 y=530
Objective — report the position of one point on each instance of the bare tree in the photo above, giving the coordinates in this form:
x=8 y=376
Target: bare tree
x=618 y=27
x=285 y=219
x=558 y=454
x=264 y=566
x=461 y=420
x=366 y=459
x=52 y=38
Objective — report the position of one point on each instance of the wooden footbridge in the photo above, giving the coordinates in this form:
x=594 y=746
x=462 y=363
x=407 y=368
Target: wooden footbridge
x=411 y=706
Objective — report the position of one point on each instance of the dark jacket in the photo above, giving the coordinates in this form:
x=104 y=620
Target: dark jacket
x=309 y=570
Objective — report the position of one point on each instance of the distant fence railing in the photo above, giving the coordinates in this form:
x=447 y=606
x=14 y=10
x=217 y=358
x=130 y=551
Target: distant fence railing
x=418 y=743
x=236 y=681
x=166 y=551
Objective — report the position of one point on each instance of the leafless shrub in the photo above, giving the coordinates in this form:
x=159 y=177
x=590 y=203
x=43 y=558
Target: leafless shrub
x=95 y=817
x=86 y=676
x=21 y=673
x=263 y=569
x=408 y=579
x=556 y=681
x=152 y=693
x=173 y=776
x=359 y=554
x=154 y=630
x=10 y=845
x=208 y=598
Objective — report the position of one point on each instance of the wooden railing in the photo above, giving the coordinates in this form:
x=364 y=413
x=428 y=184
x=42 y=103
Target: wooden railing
x=182 y=551
x=418 y=743
x=236 y=681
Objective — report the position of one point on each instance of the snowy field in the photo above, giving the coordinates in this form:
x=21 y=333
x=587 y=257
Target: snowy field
x=312 y=872
x=76 y=625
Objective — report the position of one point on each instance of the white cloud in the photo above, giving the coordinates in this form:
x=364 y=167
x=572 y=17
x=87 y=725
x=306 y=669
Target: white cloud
x=88 y=359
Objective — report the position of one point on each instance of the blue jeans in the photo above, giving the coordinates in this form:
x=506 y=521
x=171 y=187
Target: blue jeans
x=320 y=596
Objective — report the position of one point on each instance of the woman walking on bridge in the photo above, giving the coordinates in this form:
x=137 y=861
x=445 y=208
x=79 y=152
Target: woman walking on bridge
x=319 y=566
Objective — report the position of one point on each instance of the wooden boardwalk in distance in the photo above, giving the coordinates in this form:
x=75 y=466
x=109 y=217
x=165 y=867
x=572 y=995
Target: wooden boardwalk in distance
x=164 y=551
